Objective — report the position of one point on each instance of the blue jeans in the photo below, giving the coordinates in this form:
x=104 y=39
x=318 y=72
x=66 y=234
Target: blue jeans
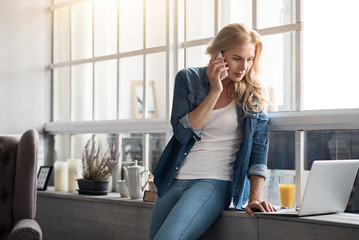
x=189 y=208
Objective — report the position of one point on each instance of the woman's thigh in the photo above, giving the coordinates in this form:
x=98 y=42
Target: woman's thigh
x=163 y=207
x=197 y=209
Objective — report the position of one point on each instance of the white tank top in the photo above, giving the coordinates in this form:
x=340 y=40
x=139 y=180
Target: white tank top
x=213 y=156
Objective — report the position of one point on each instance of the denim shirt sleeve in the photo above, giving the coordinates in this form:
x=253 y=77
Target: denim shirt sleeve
x=184 y=101
x=258 y=158
x=258 y=169
x=186 y=124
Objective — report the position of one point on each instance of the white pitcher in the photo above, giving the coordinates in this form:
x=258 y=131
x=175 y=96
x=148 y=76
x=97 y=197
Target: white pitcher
x=136 y=178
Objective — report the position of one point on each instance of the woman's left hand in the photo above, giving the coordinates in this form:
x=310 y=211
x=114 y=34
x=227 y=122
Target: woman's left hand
x=256 y=206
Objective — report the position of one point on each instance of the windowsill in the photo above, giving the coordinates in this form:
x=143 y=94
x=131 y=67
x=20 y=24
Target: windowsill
x=115 y=198
x=335 y=219
x=111 y=197
x=73 y=216
x=338 y=219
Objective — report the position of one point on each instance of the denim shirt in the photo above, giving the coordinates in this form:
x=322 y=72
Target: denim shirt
x=191 y=87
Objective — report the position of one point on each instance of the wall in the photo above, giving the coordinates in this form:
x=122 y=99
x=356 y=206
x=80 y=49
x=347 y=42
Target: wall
x=24 y=56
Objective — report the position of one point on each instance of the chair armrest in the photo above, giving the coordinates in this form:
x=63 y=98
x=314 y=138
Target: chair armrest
x=26 y=229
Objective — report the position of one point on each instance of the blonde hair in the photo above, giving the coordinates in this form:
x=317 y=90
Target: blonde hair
x=250 y=91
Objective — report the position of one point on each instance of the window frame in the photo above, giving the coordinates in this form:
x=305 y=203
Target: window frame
x=297 y=120
x=144 y=125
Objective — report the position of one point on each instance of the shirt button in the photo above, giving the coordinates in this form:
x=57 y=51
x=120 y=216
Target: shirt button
x=185 y=154
x=176 y=168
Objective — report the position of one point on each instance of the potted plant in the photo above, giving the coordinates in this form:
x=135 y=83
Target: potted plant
x=97 y=167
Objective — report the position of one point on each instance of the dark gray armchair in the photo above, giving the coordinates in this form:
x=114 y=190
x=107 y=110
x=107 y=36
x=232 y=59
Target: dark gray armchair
x=18 y=160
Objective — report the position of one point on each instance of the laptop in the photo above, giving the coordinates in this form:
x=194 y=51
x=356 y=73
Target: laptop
x=328 y=188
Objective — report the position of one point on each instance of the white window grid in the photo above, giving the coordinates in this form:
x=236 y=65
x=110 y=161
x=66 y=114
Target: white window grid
x=296 y=120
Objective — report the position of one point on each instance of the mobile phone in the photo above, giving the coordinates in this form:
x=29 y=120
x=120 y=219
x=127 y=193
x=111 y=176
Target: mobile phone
x=224 y=74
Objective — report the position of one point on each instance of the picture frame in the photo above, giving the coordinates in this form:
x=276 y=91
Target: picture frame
x=43 y=177
x=137 y=95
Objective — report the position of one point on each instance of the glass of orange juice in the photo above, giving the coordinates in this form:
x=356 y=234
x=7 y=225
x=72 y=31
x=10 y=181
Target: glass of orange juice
x=286 y=191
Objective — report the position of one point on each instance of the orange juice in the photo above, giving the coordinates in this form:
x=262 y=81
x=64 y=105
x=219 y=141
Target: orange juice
x=286 y=193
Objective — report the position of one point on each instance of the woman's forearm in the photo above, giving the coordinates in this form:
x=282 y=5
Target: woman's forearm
x=256 y=188
x=198 y=117
x=255 y=202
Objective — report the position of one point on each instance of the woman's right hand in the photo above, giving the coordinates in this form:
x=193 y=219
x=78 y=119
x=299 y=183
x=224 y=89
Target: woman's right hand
x=198 y=117
x=214 y=69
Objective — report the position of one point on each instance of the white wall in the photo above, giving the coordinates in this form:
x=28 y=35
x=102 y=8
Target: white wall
x=24 y=58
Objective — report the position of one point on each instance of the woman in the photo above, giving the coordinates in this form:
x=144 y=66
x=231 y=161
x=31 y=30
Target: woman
x=219 y=148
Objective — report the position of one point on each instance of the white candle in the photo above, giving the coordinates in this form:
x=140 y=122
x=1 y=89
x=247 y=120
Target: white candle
x=60 y=176
x=74 y=172
x=273 y=107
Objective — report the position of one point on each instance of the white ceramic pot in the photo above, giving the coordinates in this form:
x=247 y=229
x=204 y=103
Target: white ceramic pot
x=136 y=178
x=122 y=188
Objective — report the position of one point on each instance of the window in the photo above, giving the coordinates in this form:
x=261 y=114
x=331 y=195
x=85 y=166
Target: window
x=330 y=55
x=110 y=68
x=94 y=66
x=114 y=63
x=278 y=37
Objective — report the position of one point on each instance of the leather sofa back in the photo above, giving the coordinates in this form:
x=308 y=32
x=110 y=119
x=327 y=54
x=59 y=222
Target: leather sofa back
x=18 y=167
x=8 y=151
x=25 y=177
